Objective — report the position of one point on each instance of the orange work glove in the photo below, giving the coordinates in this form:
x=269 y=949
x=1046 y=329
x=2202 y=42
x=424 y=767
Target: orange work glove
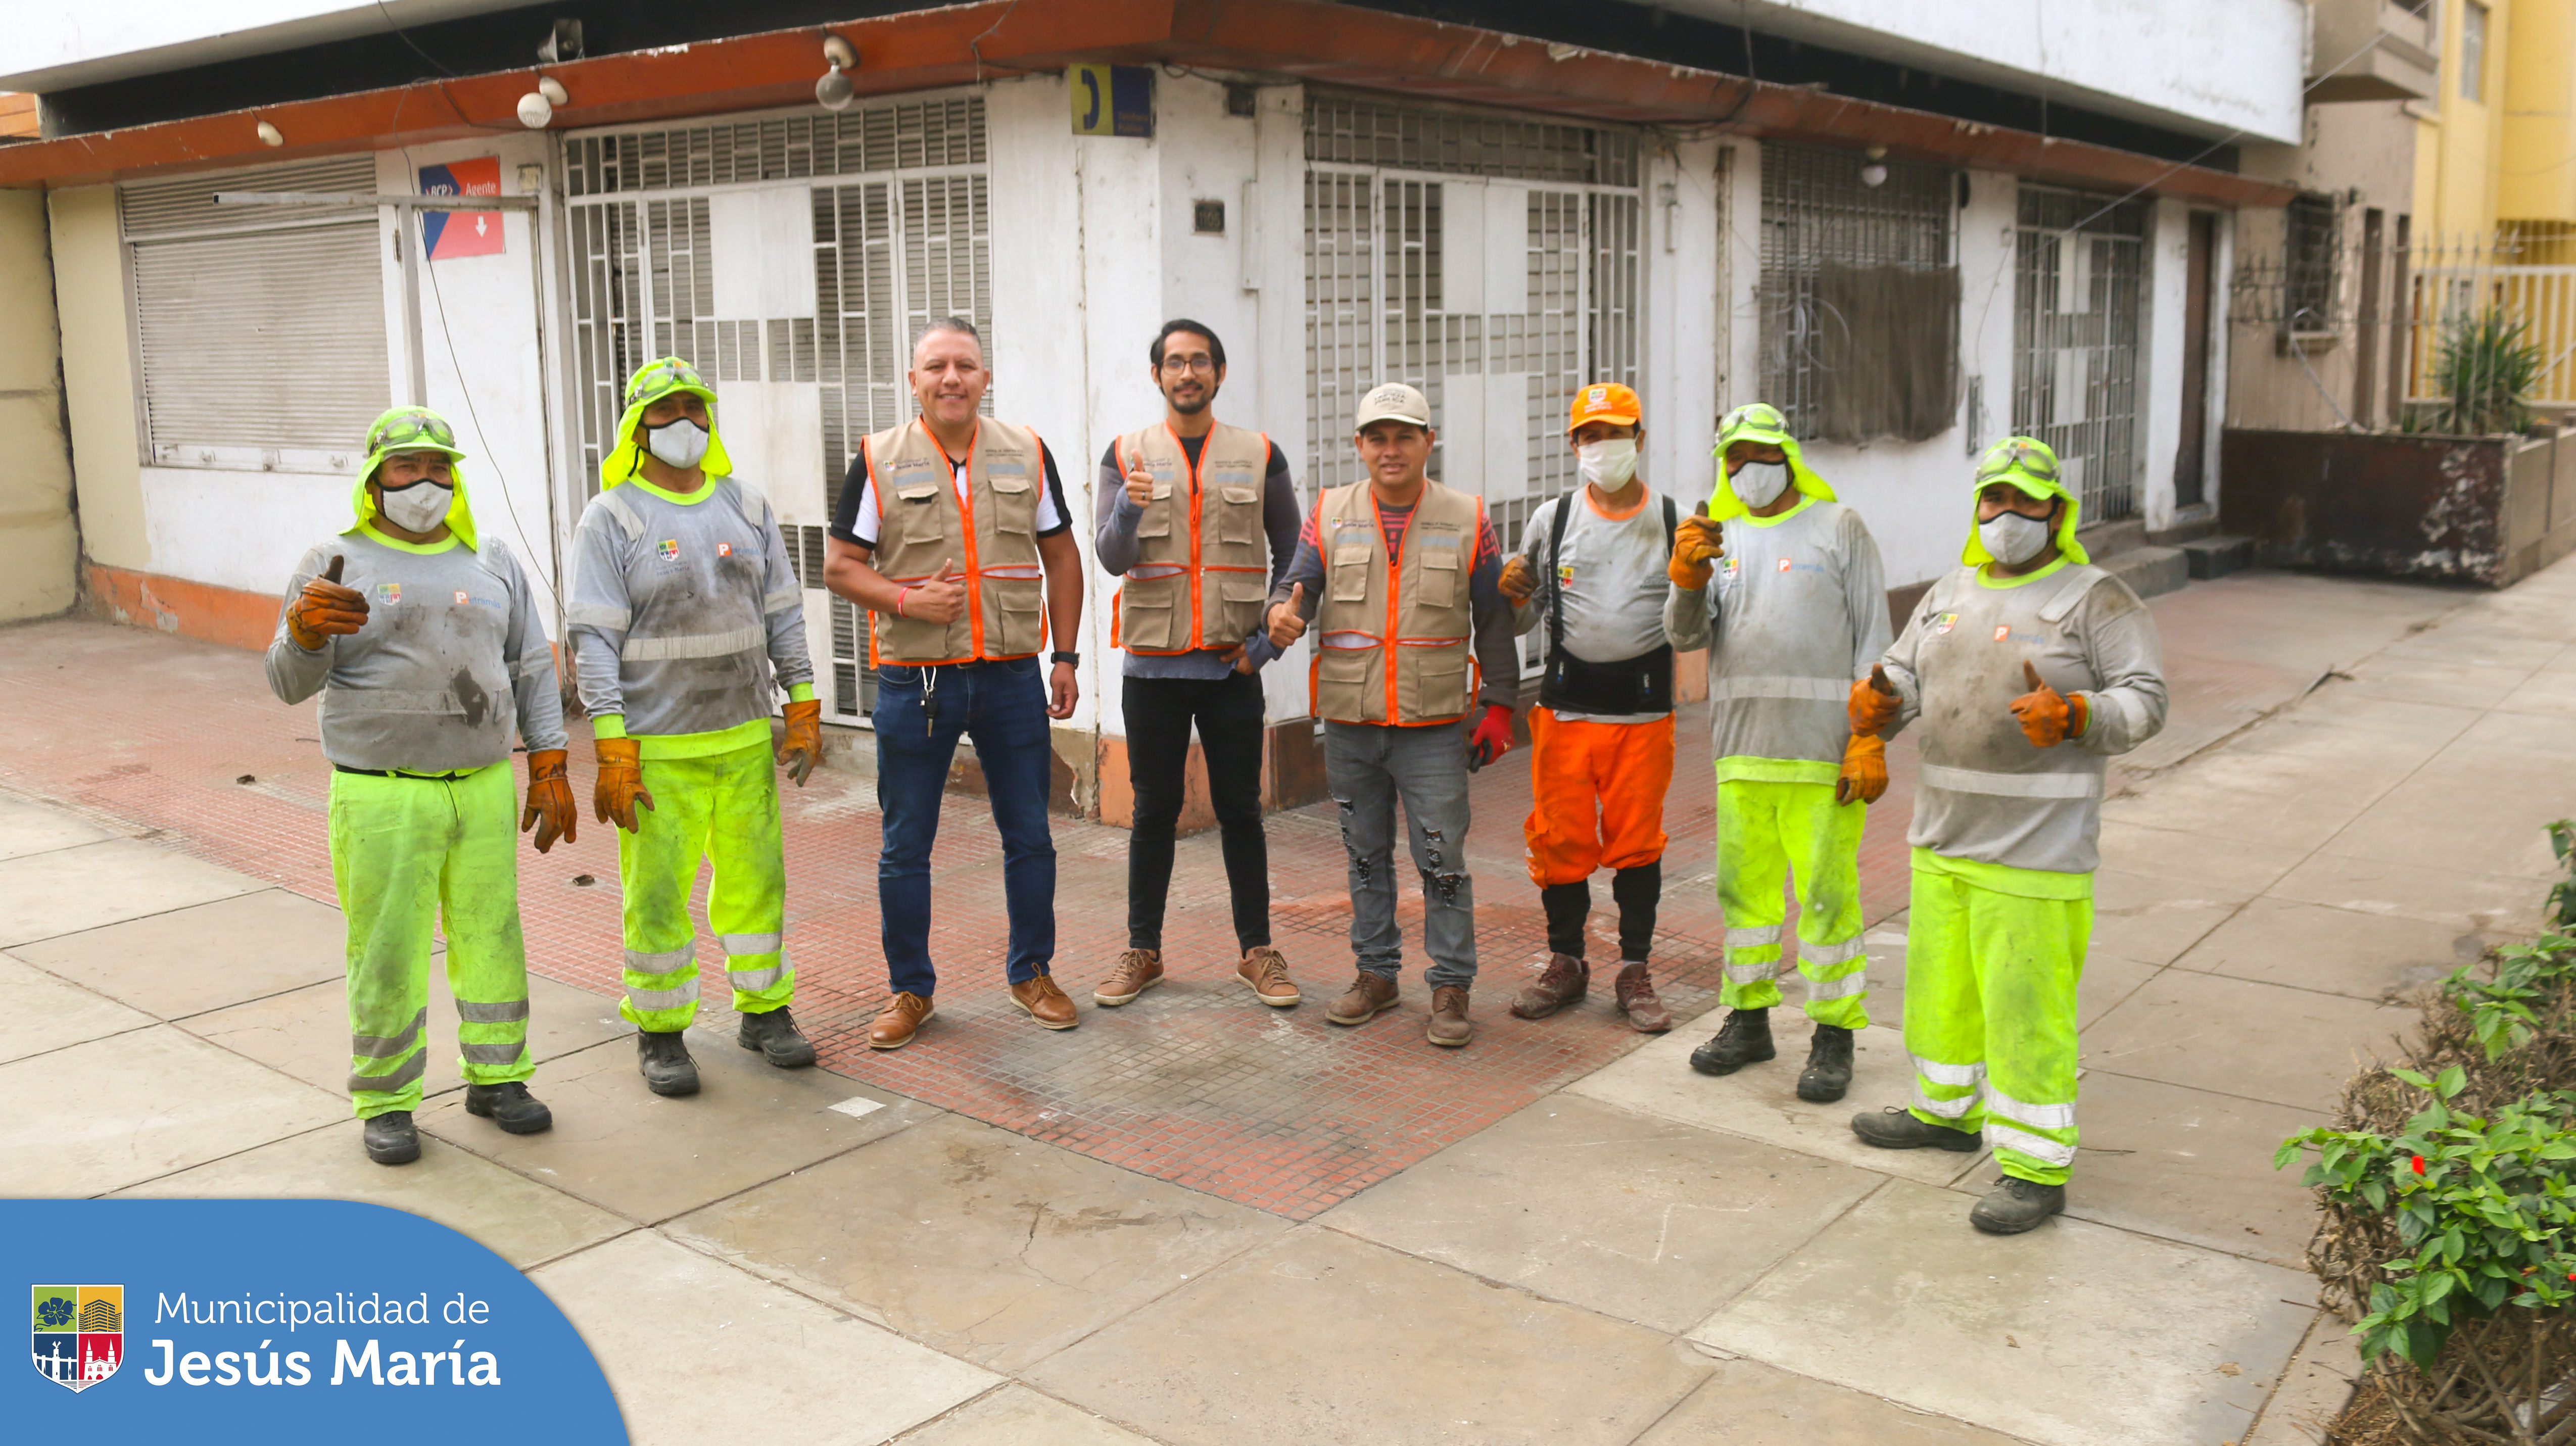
x=621 y=783
x=1519 y=581
x=802 y=748
x=2047 y=716
x=549 y=807
x=325 y=610
x=1873 y=702
x=1697 y=543
x=1864 y=770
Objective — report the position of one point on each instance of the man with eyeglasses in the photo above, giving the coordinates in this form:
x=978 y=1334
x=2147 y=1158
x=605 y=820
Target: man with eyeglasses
x=1197 y=518
x=425 y=642
x=2030 y=669
x=686 y=617
x=1799 y=610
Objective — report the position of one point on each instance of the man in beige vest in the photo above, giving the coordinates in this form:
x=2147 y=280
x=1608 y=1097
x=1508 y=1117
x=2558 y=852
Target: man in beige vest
x=1195 y=519
x=1400 y=575
x=952 y=531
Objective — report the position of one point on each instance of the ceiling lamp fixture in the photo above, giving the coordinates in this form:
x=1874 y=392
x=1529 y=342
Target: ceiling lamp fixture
x=537 y=107
x=833 y=91
x=1873 y=174
x=270 y=135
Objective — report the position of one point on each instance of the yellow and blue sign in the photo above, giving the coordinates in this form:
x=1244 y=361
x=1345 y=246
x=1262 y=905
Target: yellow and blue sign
x=1112 y=100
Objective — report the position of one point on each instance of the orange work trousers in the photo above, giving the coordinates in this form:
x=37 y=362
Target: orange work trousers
x=1596 y=795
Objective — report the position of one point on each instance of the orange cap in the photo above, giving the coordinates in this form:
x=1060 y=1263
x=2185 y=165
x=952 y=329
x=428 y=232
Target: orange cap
x=1604 y=402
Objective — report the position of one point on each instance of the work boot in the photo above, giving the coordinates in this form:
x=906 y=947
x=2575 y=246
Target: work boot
x=900 y=1020
x=1563 y=982
x=1829 y=1066
x=390 y=1138
x=1744 y=1039
x=1137 y=971
x=663 y=1057
x=1369 y=996
x=1450 y=1026
x=1896 y=1128
x=774 y=1033
x=1045 y=1002
x=1264 y=971
x=2016 y=1205
x=511 y=1107
x=1637 y=1000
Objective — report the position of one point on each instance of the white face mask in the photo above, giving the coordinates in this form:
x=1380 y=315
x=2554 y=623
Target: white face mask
x=2013 y=539
x=1759 y=484
x=1608 y=465
x=679 y=443
x=419 y=507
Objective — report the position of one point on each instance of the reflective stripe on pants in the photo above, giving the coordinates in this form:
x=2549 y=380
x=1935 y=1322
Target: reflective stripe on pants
x=1770 y=833
x=720 y=808
x=1990 y=981
x=410 y=856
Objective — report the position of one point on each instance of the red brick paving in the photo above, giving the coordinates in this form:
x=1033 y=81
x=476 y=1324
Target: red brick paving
x=1195 y=1082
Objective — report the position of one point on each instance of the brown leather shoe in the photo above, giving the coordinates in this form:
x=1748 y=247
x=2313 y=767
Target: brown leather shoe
x=1138 y=970
x=1636 y=993
x=1265 y=970
x=899 y=1021
x=1369 y=996
x=1449 y=1024
x=1563 y=983
x=1045 y=1003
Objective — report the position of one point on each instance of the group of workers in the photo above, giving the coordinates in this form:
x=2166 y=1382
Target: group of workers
x=2023 y=670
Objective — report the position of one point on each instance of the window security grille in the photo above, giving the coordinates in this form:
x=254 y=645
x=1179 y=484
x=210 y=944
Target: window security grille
x=1497 y=285
x=898 y=235
x=2078 y=303
x=1858 y=296
x=260 y=331
x=2312 y=254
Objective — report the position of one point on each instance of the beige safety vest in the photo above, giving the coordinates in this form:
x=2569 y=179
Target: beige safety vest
x=992 y=539
x=1200 y=585
x=1391 y=636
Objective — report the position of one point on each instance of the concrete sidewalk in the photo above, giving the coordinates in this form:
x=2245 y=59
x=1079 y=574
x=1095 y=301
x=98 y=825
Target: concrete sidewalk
x=1639 y=1255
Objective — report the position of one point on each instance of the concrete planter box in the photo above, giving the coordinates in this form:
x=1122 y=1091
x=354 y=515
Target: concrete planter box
x=2485 y=510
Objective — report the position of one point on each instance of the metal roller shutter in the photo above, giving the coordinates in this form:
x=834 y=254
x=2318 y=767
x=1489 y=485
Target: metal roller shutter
x=261 y=340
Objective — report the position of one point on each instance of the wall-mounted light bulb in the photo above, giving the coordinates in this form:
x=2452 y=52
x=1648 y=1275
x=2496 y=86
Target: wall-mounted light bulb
x=270 y=135
x=833 y=91
x=535 y=111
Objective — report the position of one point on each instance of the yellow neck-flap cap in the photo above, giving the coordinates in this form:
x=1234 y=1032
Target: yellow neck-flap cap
x=1759 y=422
x=412 y=429
x=2030 y=465
x=651 y=383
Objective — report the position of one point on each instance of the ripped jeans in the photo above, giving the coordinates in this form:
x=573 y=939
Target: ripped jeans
x=1369 y=766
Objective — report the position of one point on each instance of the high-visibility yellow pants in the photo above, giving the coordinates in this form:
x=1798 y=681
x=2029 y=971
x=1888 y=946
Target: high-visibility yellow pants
x=718 y=808
x=1770 y=832
x=1992 y=958
x=413 y=855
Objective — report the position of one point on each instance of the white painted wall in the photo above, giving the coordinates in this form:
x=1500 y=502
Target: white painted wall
x=53 y=47
x=1677 y=379
x=2208 y=67
x=2167 y=252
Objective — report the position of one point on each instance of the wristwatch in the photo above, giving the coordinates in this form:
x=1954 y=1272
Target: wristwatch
x=1073 y=658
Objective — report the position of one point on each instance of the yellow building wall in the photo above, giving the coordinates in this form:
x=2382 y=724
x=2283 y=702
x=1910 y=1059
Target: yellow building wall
x=2536 y=170
x=38 y=542
x=2458 y=153
x=98 y=375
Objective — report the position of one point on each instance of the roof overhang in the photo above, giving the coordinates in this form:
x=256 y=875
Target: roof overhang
x=1312 y=40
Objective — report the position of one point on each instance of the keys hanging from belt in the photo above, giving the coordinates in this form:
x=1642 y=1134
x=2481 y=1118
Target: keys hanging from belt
x=929 y=702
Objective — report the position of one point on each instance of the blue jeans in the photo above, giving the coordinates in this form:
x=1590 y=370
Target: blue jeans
x=1370 y=767
x=1002 y=706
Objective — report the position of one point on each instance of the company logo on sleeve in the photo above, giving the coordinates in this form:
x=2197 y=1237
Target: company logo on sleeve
x=79 y=1333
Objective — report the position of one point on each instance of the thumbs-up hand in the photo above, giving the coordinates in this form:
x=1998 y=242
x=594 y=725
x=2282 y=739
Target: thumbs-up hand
x=2048 y=717
x=1519 y=581
x=1140 y=486
x=325 y=609
x=941 y=600
x=1288 y=619
x=1873 y=702
x=1697 y=542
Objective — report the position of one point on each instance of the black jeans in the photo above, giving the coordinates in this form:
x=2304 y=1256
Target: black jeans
x=1228 y=714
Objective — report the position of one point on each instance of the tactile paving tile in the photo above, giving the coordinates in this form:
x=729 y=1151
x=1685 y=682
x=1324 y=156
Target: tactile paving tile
x=1195 y=1082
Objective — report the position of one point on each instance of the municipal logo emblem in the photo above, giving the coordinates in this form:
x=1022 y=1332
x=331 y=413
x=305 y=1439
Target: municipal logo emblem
x=1948 y=621
x=389 y=592
x=669 y=549
x=79 y=1333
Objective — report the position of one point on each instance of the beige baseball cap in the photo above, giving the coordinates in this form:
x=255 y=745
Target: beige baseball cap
x=1393 y=402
